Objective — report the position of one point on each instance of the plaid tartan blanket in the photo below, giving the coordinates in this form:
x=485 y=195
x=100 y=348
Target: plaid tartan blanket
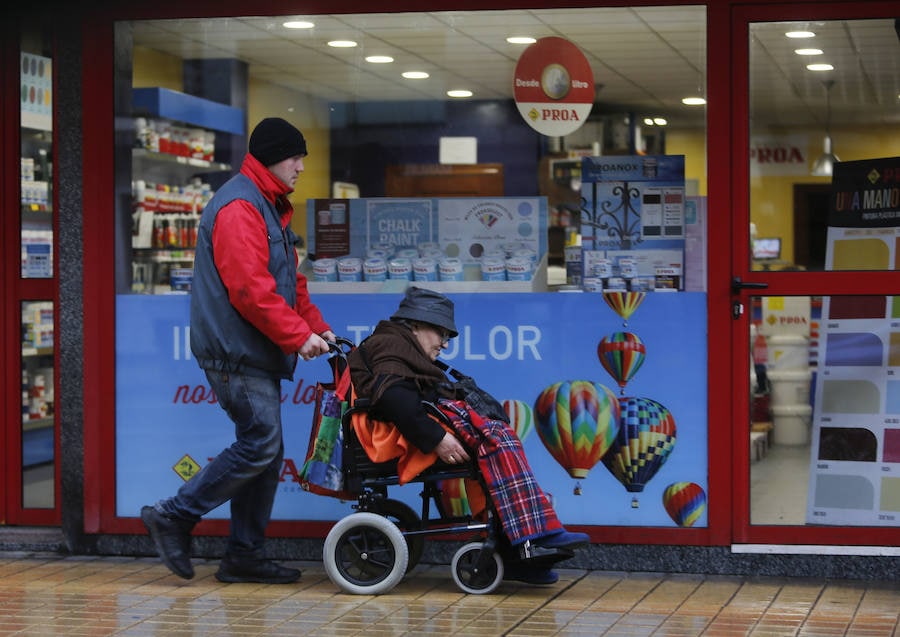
x=523 y=508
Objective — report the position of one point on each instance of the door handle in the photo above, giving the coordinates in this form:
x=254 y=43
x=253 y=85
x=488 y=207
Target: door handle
x=737 y=285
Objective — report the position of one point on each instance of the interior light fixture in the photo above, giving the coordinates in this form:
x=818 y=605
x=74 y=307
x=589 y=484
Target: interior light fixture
x=517 y=39
x=799 y=35
x=808 y=51
x=824 y=165
x=380 y=59
x=693 y=101
x=660 y=121
x=819 y=67
x=342 y=44
x=298 y=24
x=415 y=75
x=648 y=121
x=459 y=93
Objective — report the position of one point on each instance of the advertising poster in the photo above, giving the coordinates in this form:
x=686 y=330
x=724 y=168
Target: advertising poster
x=634 y=394
x=463 y=228
x=633 y=222
x=855 y=451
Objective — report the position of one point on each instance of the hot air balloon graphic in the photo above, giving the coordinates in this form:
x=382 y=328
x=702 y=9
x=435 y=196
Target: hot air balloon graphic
x=521 y=417
x=642 y=445
x=577 y=421
x=623 y=303
x=454 y=498
x=685 y=502
x=622 y=355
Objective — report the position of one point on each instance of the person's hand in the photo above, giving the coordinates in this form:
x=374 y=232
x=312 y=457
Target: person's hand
x=450 y=450
x=329 y=336
x=313 y=346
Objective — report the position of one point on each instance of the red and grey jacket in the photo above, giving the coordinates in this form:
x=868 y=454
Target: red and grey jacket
x=250 y=308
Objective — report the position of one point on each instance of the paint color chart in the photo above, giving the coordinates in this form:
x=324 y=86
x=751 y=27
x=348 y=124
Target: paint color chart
x=855 y=454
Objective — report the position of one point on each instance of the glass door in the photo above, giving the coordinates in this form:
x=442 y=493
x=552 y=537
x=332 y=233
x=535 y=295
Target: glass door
x=814 y=286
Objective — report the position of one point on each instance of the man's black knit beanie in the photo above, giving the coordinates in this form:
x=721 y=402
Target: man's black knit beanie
x=274 y=140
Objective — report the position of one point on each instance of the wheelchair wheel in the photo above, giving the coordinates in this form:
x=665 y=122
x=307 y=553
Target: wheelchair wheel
x=467 y=574
x=404 y=517
x=365 y=554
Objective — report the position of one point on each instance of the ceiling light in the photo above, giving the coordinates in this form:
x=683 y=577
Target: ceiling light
x=298 y=24
x=800 y=34
x=342 y=44
x=660 y=121
x=819 y=67
x=648 y=121
x=415 y=75
x=693 y=101
x=808 y=51
x=380 y=59
x=459 y=93
x=824 y=165
x=520 y=40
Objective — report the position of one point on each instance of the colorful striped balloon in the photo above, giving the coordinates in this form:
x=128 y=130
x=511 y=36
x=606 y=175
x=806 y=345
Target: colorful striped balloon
x=577 y=420
x=454 y=497
x=685 y=502
x=521 y=417
x=623 y=303
x=622 y=355
x=644 y=441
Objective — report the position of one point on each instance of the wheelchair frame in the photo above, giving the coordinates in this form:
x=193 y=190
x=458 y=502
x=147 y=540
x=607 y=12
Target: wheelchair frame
x=370 y=551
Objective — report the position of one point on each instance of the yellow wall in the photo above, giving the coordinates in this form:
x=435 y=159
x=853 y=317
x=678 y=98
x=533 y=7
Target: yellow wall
x=772 y=198
x=691 y=144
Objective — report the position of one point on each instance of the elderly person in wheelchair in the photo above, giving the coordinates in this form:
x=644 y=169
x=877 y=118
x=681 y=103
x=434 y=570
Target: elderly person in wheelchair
x=396 y=369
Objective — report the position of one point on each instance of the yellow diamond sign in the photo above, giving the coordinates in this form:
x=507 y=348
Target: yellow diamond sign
x=186 y=467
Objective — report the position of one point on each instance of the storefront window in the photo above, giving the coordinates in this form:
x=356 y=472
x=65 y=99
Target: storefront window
x=428 y=143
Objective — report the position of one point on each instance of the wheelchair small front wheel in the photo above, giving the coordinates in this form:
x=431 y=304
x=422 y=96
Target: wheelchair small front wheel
x=476 y=572
x=365 y=554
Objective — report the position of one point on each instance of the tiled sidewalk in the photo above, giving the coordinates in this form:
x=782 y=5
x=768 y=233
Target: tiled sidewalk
x=94 y=597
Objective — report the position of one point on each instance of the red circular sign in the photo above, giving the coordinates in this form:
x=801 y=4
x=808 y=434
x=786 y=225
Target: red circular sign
x=553 y=86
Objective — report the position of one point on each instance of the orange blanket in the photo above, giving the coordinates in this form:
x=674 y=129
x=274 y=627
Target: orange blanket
x=382 y=442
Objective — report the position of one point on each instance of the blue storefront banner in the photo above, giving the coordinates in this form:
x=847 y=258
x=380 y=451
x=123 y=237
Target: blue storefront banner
x=539 y=351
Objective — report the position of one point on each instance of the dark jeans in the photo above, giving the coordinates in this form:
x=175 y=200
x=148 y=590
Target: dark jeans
x=246 y=473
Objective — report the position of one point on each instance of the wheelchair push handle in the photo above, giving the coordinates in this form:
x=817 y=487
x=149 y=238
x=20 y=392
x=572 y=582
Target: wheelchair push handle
x=340 y=345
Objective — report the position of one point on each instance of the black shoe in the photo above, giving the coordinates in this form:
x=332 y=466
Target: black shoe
x=535 y=575
x=172 y=539
x=236 y=570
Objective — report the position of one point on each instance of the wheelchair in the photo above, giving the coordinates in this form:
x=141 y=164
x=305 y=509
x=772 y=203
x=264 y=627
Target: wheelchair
x=371 y=550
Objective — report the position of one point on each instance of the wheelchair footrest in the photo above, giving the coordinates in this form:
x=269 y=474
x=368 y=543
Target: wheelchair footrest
x=531 y=551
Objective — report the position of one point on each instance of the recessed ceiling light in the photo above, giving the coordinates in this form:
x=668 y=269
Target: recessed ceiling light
x=342 y=44
x=800 y=34
x=819 y=67
x=660 y=121
x=808 y=51
x=520 y=40
x=298 y=24
x=415 y=75
x=380 y=59
x=459 y=93
x=648 y=121
x=693 y=101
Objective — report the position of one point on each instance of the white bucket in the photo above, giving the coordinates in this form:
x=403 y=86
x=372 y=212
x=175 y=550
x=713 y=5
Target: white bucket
x=788 y=351
x=790 y=386
x=791 y=424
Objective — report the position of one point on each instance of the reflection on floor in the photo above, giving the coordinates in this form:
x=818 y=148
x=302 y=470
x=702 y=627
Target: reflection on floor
x=55 y=595
x=779 y=482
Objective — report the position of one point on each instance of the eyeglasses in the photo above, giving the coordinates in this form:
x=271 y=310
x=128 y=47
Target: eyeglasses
x=445 y=336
